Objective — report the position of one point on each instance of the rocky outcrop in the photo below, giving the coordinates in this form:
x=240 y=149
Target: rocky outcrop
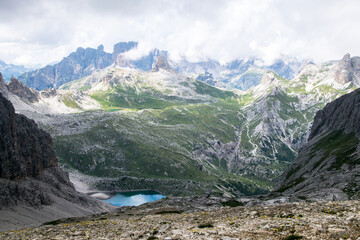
x=48 y=92
x=26 y=150
x=348 y=70
x=328 y=166
x=269 y=79
x=22 y=91
x=2 y=82
x=122 y=47
x=162 y=63
x=29 y=173
x=341 y=114
x=147 y=62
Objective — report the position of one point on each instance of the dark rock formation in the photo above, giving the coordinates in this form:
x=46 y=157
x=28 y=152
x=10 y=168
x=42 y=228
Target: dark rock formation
x=26 y=150
x=348 y=70
x=2 y=82
x=22 y=91
x=328 y=166
x=29 y=172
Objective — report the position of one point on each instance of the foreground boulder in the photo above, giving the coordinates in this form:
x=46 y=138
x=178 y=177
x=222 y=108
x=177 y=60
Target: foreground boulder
x=328 y=166
x=33 y=189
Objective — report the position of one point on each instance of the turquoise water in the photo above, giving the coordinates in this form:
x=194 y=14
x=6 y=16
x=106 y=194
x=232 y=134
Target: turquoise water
x=133 y=198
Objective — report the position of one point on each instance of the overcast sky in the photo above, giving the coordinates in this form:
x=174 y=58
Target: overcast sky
x=44 y=31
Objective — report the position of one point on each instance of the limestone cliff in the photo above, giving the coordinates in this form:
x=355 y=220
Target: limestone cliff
x=31 y=183
x=25 y=150
x=162 y=63
x=328 y=166
x=348 y=70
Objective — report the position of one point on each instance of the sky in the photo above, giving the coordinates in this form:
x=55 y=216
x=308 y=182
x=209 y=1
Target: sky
x=39 y=32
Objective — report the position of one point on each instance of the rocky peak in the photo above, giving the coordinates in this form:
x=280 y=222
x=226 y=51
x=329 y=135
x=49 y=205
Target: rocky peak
x=308 y=68
x=100 y=48
x=22 y=91
x=30 y=177
x=269 y=78
x=162 y=63
x=25 y=150
x=2 y=82
x=122 y=47
x=348 y=70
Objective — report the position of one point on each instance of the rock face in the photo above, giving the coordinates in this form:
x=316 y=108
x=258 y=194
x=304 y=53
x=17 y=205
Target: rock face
x=29 y=175
x=22 y=91
x=328 y=166
x=122 y=47
x=2 y=82
x=348 y=70
x=162 y=63
x=26 y=150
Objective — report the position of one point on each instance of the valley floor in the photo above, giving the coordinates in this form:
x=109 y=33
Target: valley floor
x=162 y=220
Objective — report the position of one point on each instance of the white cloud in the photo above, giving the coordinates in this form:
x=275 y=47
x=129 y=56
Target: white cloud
x=45 y=31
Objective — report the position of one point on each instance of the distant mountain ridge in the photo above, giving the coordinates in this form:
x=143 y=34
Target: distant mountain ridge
x=9 y=70
x=240 y=73
x=77 y=65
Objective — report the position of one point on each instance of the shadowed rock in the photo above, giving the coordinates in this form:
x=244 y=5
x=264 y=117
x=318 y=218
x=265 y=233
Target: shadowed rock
x=328 y=166
x=30 y=176
x=22 y=91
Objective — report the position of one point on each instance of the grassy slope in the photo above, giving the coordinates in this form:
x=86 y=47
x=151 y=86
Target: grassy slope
x=157 y=142
x=157 y=136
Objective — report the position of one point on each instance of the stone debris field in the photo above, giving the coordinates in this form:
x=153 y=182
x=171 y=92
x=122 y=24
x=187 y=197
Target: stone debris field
x=302 y=220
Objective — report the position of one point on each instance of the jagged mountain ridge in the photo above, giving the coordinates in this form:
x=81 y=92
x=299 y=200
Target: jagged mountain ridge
x=239 y=73
x=327 y=167
x=78 y=64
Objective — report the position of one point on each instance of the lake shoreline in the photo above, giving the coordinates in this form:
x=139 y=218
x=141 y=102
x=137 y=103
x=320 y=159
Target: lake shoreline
x=124 y=191
x=126 y=198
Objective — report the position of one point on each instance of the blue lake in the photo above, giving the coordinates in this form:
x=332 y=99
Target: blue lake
x=133 y=198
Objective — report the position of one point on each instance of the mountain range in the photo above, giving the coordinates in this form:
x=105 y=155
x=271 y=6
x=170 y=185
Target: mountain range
x=153 y=124
x=239 y=73
x=9 y=70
